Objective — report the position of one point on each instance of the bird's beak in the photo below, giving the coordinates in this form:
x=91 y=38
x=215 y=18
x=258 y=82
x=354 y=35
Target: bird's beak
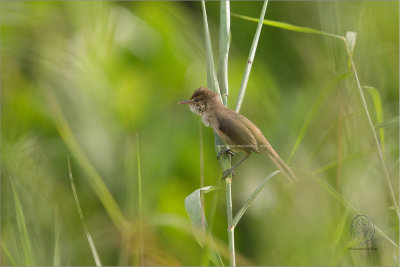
x=186 y=102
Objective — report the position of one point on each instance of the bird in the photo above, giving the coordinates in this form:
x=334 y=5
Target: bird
x=234 y=129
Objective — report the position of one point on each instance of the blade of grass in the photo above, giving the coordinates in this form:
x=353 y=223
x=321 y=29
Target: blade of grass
x=7 y=252
x=246 y=205
x=78 y=206
x=287 y=26
x=22 y=230
x=57 y=228
x=205 y=255
x=376 y=99
x=94 y=177
x=224 y=42
x=195 y=210
x=250 y=59
x=141 y=248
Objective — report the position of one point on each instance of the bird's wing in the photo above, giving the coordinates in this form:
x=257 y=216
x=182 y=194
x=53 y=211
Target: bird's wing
x=235 y=134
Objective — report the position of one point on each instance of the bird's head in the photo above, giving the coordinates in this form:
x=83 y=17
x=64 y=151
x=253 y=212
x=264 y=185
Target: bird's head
x=201 y=100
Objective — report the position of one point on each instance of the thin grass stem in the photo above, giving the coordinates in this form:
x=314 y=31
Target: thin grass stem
x=140 y=201
x=231 y=233
x=7 y=252
x=78 y=206
x=250 y=59
x=212 y=83
x=371 y=125
x=224 y=42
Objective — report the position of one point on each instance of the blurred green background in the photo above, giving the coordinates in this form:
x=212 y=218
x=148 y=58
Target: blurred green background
x=85 y=79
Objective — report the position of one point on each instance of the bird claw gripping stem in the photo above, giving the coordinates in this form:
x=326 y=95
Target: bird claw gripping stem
x=227 y=172
x=225 y=151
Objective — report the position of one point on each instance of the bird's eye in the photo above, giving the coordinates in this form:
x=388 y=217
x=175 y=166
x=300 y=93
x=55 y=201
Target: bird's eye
x=196 y=100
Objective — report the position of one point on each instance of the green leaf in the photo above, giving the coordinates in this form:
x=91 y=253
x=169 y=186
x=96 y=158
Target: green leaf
x=287 y=26
x=25 y=240
x=56 y=255
x=78 y=206
x=224 y=43
x=250 y=58
x=376 y=99
x=7 y=252
x=195 y=210
x=246 y=205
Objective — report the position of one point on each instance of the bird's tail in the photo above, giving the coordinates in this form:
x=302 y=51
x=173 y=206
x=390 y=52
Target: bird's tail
x=287 y=171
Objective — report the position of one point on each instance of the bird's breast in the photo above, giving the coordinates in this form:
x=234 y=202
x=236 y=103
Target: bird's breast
x=204 y=118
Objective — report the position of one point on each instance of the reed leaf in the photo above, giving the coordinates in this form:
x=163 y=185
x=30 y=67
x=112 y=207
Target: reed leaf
x=78 y=206
x=288 y=26
x=376 y=99
x=250 y=59
x=195 y=210
x=246 y=205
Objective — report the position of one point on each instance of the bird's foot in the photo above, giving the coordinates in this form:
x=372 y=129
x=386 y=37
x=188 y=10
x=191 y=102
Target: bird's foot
x=225 y=151
x=227 y=172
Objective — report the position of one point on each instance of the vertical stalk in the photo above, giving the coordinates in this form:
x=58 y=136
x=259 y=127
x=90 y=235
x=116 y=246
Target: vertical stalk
x=250 y=59
x=231 y=233
x=203 y=225
x=224 y=42
x=141 y=249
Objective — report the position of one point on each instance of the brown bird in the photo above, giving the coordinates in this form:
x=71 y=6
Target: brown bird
x=238 y=132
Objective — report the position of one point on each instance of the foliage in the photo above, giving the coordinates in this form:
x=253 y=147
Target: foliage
x=84 y=78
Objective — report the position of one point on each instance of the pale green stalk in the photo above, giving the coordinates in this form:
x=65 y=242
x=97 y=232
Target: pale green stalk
x=212 y=83
x=231 y=233
x=78 y=206
x=250 y=59
x=7 y=252
x=224 y=40
x=25 y=240
x=141 y=248
x=380 y=153
x=241 y=212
